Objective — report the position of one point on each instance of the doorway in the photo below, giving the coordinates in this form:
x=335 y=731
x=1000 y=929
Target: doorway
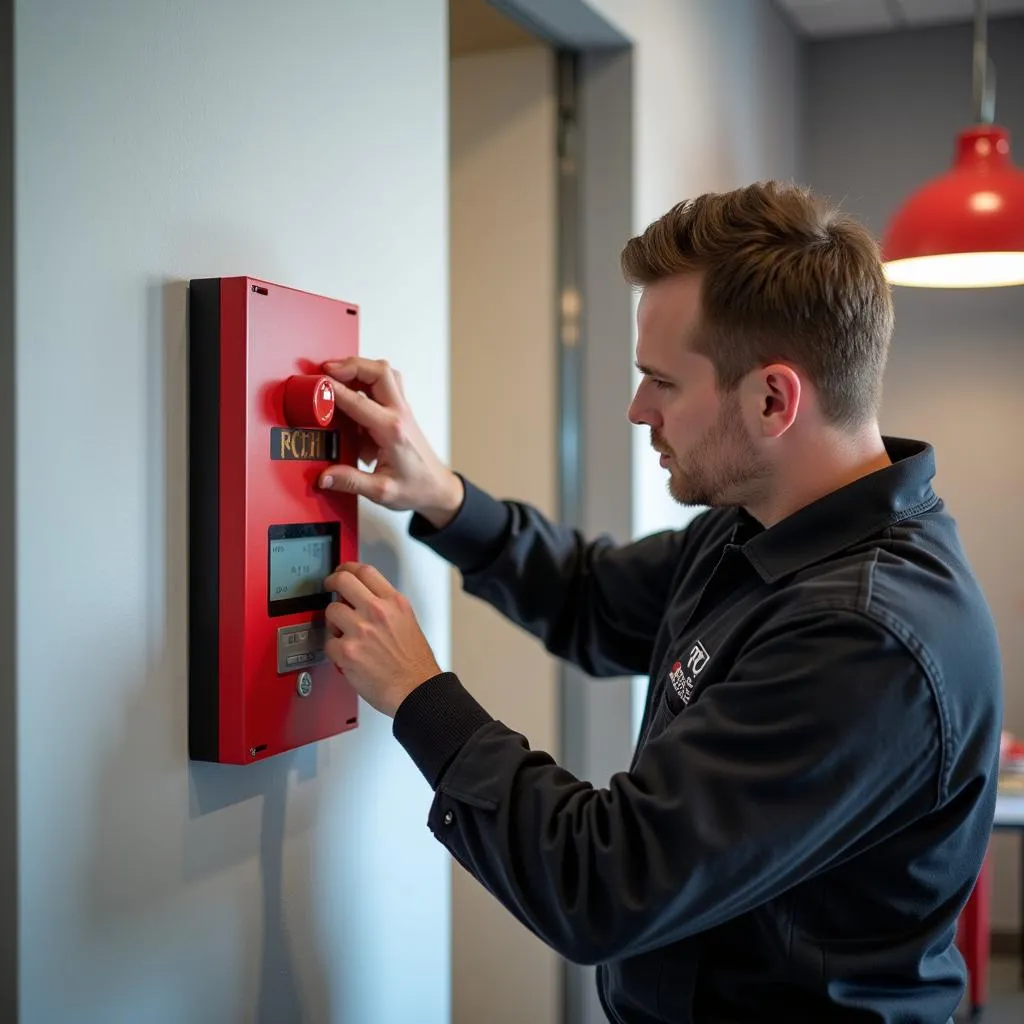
x=541 y=374
x=504 y=373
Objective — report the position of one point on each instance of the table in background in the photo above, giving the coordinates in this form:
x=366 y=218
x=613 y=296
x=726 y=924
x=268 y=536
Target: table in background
x=1010 y=818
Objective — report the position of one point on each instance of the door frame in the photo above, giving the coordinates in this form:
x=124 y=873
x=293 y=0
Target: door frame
x=594 y=330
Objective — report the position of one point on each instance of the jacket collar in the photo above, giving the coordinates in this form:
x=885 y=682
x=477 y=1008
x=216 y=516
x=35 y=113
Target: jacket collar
x=843 y=517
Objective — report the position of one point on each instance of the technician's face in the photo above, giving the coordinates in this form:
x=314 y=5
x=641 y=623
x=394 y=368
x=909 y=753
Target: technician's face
x=699 y=431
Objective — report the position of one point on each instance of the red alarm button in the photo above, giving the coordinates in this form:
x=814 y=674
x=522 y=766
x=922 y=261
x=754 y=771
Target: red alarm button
x=308 y=400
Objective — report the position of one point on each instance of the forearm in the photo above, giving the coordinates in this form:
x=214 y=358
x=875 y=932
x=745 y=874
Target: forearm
x=590 y=603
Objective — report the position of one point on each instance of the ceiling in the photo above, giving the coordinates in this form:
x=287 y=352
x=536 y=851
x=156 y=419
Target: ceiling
x=821 y=18
x=475 y=27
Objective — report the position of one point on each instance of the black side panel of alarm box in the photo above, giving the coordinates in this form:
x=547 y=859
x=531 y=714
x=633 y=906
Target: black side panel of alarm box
x=203 y=518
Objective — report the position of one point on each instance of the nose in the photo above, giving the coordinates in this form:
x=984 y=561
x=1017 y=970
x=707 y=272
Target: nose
x=640 y=413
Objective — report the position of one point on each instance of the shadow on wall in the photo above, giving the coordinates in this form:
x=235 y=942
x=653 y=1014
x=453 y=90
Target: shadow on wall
x=179 y=847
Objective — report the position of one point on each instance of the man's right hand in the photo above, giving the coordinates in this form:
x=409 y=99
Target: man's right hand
x=406 y=473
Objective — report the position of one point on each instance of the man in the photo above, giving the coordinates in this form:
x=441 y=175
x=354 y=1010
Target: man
x=812 y=792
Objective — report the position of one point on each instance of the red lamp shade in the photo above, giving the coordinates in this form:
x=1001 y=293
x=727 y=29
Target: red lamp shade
x=964 y=229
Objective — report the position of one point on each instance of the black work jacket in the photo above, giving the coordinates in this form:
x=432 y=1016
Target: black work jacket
x=814 y=784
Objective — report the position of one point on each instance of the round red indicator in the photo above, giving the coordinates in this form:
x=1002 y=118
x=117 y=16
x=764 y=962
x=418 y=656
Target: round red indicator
x=308 y=400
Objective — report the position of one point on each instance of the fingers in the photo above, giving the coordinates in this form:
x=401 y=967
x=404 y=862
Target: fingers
x=341 y=617
x=376 y=487
x=377 y=373
x=349 y=587
x=373 y=579
x=358 y=584
x=365 y=411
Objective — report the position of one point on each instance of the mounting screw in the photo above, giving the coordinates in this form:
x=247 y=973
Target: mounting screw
x=304 y=686
x=252 y=751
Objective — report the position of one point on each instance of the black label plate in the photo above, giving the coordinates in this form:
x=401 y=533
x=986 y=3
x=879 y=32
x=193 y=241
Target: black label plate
x=292 y=444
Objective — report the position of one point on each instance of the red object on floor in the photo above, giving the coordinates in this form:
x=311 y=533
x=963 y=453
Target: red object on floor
x=972 y=939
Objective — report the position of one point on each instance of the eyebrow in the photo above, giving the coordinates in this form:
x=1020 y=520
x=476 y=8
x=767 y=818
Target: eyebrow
x=649 y=371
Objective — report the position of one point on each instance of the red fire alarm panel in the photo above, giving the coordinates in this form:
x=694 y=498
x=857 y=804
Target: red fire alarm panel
x=263 y=536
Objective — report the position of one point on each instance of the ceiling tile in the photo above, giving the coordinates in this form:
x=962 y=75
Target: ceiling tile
x=839 y=17
x=934 y=12
x=843 y=17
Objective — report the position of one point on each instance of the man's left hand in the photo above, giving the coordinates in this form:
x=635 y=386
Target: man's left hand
x=381 y=648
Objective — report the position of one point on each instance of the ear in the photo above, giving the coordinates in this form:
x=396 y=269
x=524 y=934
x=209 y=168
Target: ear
x=779 y=393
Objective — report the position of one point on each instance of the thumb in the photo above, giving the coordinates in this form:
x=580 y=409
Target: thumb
x=350 y=480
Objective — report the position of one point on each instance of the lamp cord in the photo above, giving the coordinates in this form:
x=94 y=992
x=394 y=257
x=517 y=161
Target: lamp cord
x=984 y=69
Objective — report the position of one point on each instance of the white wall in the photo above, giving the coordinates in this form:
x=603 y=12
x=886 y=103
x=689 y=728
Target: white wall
x=8 y=542
x=716 y=104
x=504 y=401
x=156 y=142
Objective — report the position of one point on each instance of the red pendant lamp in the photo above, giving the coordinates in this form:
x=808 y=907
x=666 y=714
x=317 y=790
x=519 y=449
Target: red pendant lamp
x=965 y=229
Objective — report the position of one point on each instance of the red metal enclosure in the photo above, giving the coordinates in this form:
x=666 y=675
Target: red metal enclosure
x=262 y=427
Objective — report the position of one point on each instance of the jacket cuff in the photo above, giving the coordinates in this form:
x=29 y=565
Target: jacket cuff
x=474 y=538
x=434 y=722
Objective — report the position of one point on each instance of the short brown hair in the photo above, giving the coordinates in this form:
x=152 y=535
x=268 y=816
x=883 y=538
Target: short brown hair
x=786 y=278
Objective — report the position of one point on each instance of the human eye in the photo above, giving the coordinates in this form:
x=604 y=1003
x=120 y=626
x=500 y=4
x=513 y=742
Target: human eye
x=652 y=376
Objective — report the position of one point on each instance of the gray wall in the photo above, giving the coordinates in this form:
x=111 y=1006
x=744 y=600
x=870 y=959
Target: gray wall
x=717 y=103
x=882 y=116
x=8 y=719
x=156 y=142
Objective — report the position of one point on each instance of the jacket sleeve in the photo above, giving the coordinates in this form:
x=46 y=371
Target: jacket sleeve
x=824 y=734
x=595 y=604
